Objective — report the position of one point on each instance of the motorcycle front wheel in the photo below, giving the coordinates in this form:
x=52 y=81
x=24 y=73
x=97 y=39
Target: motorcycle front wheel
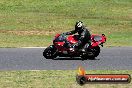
x=95 y=51
x=91 y=54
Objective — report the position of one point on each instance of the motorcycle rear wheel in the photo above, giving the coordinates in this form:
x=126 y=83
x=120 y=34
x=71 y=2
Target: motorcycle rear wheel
x=50 y=52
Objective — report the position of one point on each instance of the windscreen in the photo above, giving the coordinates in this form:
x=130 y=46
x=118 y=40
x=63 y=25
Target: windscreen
x=97 y=38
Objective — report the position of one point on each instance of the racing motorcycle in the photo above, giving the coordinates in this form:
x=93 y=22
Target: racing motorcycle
x=60 y=42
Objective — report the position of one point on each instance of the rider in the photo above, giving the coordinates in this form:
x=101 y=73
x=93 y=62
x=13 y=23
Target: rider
x=84 y=35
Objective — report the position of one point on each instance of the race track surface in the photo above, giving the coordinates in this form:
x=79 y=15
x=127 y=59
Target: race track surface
x=114 y=58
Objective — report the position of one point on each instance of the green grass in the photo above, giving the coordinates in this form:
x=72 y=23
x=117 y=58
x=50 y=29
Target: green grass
x=54 y=79
x=112 y=17
x=10 y=40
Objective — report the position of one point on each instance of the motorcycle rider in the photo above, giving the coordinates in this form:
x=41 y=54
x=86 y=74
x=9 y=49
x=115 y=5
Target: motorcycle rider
x=84 y=36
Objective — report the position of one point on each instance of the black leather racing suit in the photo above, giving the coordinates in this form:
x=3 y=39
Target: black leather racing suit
x=84 y=37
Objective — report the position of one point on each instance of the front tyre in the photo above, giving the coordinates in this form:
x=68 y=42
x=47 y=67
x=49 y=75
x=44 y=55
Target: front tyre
x=50 y=52
x=95 y=52
x=91 y=54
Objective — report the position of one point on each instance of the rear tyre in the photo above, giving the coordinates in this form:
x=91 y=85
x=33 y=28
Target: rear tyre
x=50 y=52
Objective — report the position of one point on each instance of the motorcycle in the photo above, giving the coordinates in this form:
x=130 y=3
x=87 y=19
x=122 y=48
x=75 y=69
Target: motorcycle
x=60 y=42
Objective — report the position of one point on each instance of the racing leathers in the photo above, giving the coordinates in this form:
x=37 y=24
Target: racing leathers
x=84 y=37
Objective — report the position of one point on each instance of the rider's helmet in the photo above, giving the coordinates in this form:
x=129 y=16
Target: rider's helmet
x=78 y=26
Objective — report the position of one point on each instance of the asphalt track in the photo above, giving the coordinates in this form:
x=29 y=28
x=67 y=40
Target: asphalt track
x=114 y=58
